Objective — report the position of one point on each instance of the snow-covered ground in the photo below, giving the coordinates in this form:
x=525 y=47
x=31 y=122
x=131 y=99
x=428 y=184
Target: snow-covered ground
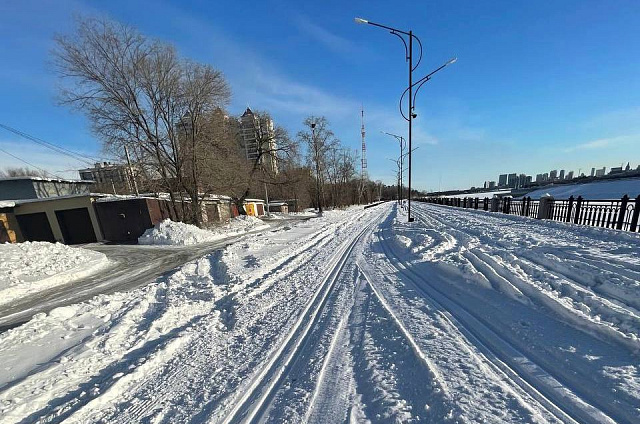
x=599 y=190
x=173 y=233
x=26 y=268
x=461 y=316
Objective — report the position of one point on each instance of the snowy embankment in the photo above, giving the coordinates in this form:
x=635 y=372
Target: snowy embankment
x=597 y=190
x=173 y=233
x=26 y=268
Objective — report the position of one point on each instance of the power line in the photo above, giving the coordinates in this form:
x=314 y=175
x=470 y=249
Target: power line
x=30 y=164
x=58 y=149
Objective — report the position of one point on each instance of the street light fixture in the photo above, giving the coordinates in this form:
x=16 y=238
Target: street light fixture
x=402 y=146
x=408 y=48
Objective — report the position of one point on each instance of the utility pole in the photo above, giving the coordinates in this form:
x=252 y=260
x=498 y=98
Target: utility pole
x=266 y=193
x=133 y=178
x=317 y=157
x=363 y=167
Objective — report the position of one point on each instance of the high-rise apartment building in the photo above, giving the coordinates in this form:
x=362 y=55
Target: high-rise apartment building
x=562 y=174
x=502 y=180
x=553 y=175
x=258 y=135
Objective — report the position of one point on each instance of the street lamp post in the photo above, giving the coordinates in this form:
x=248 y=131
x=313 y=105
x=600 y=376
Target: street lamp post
x=402 y=146
x=317 y=161
x=412 y=96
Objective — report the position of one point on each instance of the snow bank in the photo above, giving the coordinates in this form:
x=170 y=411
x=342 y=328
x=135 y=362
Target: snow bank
x=28 y=267
x=173 y=233
x=601 y=190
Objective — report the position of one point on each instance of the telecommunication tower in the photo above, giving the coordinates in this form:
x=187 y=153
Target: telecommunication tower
x=364 y=148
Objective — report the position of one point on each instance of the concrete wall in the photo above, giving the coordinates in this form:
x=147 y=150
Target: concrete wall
x=59 y=188
x=51 y=206
x=17 y=189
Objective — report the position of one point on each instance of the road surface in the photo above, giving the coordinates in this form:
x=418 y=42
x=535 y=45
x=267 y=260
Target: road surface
x=460 y=316
x=131 y=266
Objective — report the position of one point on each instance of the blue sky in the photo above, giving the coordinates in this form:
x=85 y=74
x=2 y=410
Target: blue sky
x=537 y=86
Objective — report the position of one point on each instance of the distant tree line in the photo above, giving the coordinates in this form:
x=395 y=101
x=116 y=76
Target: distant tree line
x=168 y=113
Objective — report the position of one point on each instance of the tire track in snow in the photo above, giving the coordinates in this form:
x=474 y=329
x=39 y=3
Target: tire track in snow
x=255 y=403
x=521 y=370
x=568 y=286
x=166 y=375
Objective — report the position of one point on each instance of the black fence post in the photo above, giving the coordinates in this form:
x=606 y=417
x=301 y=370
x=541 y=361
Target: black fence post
x=475 y=203
x=622 y=212
x=569 y=209
x=636 y=214
x=486 y=204
x=528 y=206
x=576 y=218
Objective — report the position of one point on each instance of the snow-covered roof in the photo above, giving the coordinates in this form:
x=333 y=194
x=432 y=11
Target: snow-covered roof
x=57 y=180
x=54 y=198
x=7 y=204
x=254 y=200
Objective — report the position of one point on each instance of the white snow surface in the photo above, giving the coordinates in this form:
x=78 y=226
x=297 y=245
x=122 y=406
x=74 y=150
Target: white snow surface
x=354 y=316
x=174 y=233
x=30 y=267
x=599 y=190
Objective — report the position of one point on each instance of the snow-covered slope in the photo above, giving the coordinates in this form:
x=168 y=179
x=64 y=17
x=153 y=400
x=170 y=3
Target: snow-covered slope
x=26 y=268
x=169 y=232
x=600 y=190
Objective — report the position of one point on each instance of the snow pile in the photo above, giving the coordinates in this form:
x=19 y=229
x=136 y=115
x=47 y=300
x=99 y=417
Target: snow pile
x=174 y=233
x=33 y=266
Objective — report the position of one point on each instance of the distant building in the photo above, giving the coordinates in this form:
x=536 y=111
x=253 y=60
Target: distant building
x=615 y=170
x=106 y=173
x=492 y=184
x=512 y=180
x=545 y=177
x=601 y=172
x=593 y=172
x=627 y=168
x=253 y=132
x=502 y=180
x=570 y=175
x=528 y=180
x=553 y=175
x=562 y=174
x=539 y=178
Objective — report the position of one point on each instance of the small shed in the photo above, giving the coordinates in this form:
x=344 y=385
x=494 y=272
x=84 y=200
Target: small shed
x=254 y=207
x=281 y=207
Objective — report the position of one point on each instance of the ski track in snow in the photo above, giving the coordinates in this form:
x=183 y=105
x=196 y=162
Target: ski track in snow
x=461 y=316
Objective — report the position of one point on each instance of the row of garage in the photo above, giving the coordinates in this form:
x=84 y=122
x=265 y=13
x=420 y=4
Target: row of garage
x=78 y=219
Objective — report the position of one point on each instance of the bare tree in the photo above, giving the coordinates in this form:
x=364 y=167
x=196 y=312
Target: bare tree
x=22 y=172
x=319 y=140
x=137 y=92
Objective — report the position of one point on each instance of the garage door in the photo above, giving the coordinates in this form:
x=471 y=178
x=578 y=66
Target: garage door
x=76 y=226
x=35 y=227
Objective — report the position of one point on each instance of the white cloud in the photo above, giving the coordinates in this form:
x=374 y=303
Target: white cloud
x=325 y=37
x=605 y=142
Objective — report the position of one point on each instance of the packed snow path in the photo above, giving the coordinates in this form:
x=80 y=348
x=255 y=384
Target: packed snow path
x=461 y=316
